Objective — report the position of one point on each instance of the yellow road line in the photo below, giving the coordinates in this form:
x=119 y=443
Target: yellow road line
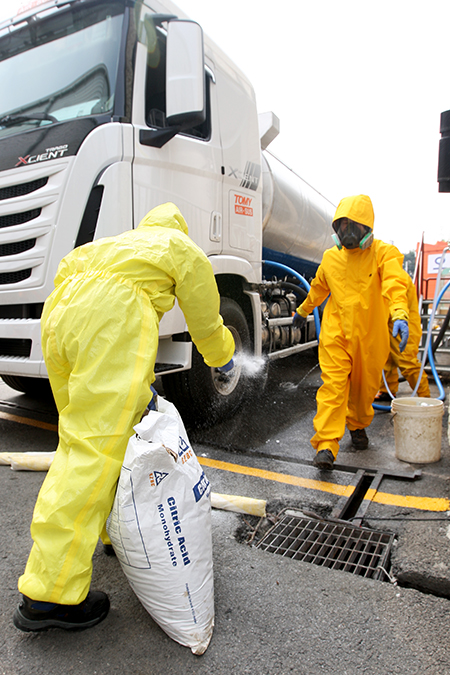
x=407 y=501
x=28 y=421
x=341 y=490
x=421 y=503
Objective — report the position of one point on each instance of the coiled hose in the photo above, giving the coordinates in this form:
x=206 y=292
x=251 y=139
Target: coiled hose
x=428 y=351
x=304 y=283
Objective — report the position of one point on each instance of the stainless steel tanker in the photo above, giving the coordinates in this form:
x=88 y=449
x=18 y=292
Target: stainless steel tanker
x=296 y=226
x=296 y=218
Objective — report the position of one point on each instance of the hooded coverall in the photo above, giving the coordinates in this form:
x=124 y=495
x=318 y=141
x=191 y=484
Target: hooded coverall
x=366 y=287
x=99 y=339
x=407 y=360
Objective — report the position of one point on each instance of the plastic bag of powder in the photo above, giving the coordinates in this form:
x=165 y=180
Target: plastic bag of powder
x=160 y=528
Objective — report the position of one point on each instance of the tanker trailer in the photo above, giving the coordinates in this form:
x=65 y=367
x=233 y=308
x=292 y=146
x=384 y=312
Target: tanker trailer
x=296 y=232
x=296 y=218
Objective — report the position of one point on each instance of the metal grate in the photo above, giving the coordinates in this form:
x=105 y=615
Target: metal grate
x=335 y=545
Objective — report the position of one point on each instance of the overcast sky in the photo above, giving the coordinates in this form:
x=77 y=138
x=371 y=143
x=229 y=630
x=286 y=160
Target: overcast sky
x=359 y=86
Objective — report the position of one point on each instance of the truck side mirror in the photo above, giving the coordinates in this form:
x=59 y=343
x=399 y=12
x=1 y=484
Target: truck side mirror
x=185 y=75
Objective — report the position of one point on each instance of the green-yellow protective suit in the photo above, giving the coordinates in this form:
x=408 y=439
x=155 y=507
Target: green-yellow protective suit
x=99 y=339
x=407 y=360
x=365 y=288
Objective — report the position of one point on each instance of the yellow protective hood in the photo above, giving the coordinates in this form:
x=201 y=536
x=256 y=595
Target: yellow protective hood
x=358 y=208
x=165 y=215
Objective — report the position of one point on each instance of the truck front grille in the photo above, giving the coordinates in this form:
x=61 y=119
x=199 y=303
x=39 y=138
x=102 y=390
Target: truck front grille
x=14 y=277
x=15 y=347
x=28 y=311
x=22 y=189
x=19 y=218
x=17 y=247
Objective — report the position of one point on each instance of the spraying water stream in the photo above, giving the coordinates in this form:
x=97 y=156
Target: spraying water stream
x=250 y=366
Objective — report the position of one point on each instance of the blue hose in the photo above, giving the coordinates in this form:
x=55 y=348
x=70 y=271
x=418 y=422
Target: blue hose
x=304 y=283
x=441 y=397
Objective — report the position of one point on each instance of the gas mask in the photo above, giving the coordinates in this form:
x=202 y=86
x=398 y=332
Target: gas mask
x=350 y=234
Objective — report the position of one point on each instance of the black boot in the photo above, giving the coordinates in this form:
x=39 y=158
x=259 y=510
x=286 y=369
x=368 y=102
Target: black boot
x=108 y=549
x=359 y=439
x=32 y=615
x=324 y=459
x=382 y=397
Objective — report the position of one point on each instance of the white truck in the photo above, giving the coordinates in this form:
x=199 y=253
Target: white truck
x=109 y=108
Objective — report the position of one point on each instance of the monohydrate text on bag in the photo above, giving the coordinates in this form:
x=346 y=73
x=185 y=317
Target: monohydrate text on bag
x=160 y=527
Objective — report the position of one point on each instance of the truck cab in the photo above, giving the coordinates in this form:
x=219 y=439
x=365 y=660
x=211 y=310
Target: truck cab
x=122 y=106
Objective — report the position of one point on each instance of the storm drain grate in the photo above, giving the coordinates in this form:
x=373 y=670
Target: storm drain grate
x=335 y=545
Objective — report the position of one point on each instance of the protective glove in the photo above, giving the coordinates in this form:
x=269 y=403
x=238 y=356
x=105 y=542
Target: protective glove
x=401 y=326
x=298 y=320
x=227 y=367
x=153 y=405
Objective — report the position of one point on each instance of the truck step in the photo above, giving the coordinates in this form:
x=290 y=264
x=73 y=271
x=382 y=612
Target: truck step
x=292 y=350
x=167 y=367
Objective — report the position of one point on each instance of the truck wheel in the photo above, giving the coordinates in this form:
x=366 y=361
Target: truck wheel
x=32 y=386
x=202 y=395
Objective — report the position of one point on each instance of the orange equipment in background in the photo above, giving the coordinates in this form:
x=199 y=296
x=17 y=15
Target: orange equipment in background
x=428 y=258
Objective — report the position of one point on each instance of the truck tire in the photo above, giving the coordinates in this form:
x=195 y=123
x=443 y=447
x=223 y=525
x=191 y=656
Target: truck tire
x=35 y=387
x=203 y=396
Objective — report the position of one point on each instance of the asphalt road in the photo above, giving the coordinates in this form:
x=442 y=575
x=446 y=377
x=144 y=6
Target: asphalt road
x=274 y=615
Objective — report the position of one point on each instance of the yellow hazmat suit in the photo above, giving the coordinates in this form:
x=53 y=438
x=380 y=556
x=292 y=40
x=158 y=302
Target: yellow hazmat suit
x=100 y=338
x=366 y=287
x=407 y=360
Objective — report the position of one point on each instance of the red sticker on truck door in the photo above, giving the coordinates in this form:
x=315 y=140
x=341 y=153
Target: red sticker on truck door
x=243 y=205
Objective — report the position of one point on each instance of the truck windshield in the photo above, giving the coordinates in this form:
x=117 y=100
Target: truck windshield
x=60 y=67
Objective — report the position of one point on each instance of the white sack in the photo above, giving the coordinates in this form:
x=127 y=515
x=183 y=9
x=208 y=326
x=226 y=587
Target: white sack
x=160 y=527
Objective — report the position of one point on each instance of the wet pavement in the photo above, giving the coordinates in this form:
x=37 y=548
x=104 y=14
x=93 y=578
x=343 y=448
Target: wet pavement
x=274 y=615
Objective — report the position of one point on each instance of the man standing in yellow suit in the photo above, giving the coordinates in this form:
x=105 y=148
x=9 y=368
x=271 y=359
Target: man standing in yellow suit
x=364 y=280
x=99 y=339
x=406 y=361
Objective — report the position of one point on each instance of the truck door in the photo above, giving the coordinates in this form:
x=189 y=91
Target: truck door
x=242 y=186
x=187 y=169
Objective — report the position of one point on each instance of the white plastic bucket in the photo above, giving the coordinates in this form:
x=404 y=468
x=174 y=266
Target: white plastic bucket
x=418 y=429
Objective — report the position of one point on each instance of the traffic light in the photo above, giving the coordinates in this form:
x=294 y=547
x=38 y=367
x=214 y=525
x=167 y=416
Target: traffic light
x=444 y=153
